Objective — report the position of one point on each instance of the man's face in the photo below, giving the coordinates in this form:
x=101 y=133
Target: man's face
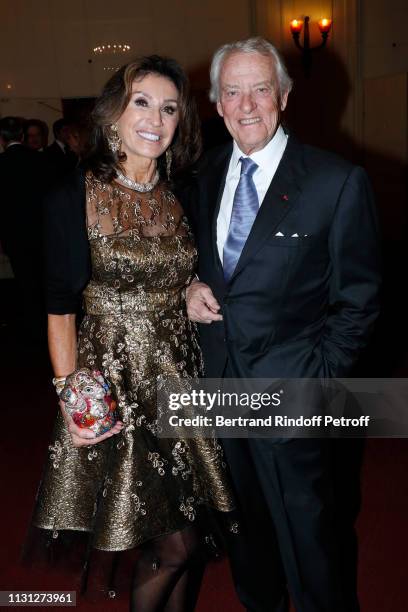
x=64 y=134
x=34 y=138
x=250 y=101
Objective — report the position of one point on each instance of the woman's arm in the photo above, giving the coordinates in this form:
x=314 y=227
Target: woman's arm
x=67 y=272
x=62 y=341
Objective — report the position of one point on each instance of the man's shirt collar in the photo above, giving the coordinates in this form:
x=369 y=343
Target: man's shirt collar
x=265 y=156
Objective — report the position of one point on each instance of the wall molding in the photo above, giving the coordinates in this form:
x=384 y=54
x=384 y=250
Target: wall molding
x=347 y=41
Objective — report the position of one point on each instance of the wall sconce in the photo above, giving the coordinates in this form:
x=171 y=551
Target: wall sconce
x=296 y=26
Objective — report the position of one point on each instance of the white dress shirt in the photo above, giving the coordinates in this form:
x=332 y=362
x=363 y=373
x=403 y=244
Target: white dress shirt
x=268 y=160
x=61 y=145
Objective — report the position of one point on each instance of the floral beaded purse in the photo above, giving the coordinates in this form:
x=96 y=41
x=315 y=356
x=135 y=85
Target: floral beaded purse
x=87 y=400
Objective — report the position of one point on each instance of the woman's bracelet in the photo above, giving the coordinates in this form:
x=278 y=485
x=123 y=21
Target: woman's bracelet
x=59 y=384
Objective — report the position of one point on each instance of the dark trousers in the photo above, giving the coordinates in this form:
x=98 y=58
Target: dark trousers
x=288 y=537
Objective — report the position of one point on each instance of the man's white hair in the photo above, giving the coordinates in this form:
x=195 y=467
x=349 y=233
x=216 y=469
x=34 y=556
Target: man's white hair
x=250 y=45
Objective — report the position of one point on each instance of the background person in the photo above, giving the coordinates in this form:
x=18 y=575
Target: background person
x=35 y=134
x=60 y=158
x=21 y=186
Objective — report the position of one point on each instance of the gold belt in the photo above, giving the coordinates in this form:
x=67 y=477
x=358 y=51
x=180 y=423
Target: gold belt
x=102 y=300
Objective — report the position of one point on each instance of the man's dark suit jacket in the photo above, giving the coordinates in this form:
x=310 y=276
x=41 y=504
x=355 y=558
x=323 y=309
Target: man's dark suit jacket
x=59 y=163
x=22 y=182
x=304 y=294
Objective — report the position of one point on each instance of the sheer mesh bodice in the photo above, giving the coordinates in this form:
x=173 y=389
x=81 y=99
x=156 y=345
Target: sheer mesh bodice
x=138 y=240
x=116 y=210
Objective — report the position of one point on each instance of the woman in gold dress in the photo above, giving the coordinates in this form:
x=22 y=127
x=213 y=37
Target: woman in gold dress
x=117 y=240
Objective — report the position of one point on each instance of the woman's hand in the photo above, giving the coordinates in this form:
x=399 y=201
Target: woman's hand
x=86 y=437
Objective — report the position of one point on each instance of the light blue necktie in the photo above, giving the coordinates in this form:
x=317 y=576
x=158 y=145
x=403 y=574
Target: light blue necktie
x=244 y=210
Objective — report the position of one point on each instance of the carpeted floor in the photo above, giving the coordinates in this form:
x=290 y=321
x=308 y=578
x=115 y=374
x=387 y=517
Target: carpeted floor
x=28 y=399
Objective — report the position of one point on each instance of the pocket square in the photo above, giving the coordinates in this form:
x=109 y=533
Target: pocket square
x=279 y=234
x=295 y=236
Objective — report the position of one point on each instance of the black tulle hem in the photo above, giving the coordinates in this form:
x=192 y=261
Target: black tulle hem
x=97 y=574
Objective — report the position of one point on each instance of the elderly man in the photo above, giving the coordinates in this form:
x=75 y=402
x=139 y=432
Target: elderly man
x=288 y=287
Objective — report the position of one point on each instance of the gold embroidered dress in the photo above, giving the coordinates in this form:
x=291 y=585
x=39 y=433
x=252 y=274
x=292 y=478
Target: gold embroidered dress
x=133 y=486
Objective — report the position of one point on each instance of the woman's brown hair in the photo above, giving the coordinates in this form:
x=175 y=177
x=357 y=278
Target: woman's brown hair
x=112 y=102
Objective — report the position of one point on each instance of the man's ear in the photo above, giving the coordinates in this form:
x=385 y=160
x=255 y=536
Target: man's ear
x=284 y=101
x=219 y=108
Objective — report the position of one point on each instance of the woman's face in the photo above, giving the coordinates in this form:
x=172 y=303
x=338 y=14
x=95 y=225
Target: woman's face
x=147 y=125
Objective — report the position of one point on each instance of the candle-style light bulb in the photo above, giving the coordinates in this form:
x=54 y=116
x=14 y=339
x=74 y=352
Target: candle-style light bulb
x=325 y=25
x=296 y=25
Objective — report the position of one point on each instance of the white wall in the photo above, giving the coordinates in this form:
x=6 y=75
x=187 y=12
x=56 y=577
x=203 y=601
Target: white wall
x=46 y=45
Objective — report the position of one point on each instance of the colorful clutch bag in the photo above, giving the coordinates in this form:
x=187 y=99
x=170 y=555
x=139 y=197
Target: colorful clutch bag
x=87 y=399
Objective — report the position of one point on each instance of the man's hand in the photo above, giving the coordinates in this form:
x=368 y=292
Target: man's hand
x=202 y=307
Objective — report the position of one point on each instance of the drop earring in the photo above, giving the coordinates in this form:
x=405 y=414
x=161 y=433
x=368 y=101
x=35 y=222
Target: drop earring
x=169 y=159
x=113 y=138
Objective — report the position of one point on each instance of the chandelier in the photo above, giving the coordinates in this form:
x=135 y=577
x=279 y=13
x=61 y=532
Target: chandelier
x=111 y=48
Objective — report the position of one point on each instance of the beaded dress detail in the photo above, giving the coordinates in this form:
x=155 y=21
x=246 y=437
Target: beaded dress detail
x=134 y=486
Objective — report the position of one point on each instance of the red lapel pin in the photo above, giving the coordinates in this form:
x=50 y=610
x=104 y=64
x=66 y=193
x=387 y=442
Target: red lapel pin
x=285 y=197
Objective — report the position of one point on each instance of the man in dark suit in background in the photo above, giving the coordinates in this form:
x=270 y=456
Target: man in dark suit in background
x=36 y=134
x=288 y=288
x=59 y=157
x=21 y=185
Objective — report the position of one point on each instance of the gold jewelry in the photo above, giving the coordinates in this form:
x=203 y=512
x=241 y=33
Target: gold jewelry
x=59 y=383
x=113 y=138
x=169 y=159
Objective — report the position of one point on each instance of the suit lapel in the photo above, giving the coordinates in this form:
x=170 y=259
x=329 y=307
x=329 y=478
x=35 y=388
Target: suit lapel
x=279 y=199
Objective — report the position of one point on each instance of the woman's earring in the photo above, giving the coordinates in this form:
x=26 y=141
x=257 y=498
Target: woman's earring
x=113 y=138
x=169 y=159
